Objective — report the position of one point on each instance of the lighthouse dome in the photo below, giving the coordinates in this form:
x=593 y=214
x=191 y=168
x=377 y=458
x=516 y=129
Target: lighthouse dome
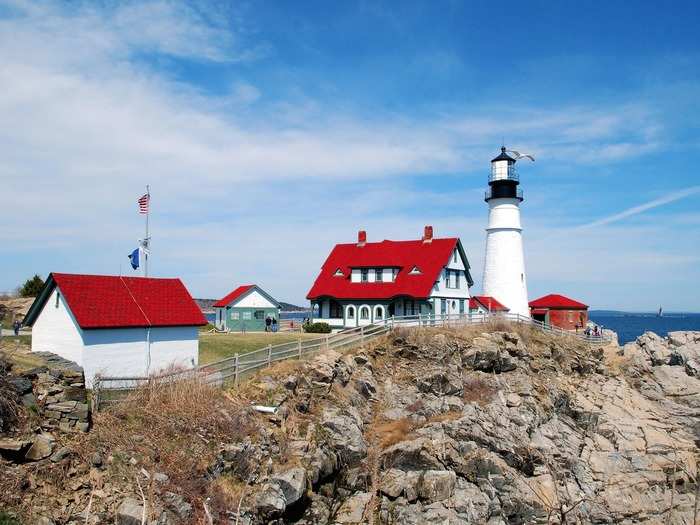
x=503 y=156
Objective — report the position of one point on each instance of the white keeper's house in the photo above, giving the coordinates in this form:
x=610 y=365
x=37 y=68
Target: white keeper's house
x=116 y=326
x=365 y=282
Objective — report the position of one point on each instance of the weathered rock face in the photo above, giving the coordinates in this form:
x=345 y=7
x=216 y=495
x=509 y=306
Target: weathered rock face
x=455 y=427
x=491 y=428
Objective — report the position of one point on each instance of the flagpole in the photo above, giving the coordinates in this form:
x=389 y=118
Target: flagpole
x=147 y=242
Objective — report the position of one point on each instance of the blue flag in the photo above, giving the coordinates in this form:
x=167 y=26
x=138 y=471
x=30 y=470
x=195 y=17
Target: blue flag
x=134 y=258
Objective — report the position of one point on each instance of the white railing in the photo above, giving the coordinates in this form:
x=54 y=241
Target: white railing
x=239 y=366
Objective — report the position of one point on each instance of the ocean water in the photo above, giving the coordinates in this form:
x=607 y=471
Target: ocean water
x=629 y=326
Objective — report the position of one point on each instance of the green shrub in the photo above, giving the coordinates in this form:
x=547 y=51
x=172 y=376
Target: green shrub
x=317 y=328
x=31 y=287
x=8 y=519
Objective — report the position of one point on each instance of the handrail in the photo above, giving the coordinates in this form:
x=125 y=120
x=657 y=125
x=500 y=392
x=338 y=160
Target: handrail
x=232 y=367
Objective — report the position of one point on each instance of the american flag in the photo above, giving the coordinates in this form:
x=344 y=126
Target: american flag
x=143 y=204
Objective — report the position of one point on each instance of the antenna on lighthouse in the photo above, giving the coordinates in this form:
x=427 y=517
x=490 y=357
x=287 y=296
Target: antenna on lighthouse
x=504 y=265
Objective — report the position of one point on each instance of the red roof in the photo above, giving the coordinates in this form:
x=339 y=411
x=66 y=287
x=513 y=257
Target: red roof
x=487 y=302
x=233 y=295
x=106 y=301
x=554 y=300
x=429 y=257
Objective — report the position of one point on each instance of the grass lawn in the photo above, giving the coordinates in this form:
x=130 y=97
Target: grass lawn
x=213 y=347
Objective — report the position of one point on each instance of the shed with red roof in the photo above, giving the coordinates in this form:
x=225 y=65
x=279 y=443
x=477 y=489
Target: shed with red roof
x=559 y=310
x=485 y=304
x=114 y=325
x=246 y=309
x=366 y=282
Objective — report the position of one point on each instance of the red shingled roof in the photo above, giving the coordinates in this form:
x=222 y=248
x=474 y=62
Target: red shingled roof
x=107 y=301
x=429 y=257
x=233 y=295
x=554 y=300
x=487 y=302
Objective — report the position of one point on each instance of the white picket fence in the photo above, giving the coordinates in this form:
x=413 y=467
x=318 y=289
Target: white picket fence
x=233 y=369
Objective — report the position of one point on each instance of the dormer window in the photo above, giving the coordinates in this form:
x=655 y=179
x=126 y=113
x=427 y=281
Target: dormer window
x=379 y=275
x=364 y=275
x=339 y=273
x=415 y=271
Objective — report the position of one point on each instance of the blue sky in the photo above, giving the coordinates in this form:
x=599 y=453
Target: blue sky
x=270 y=131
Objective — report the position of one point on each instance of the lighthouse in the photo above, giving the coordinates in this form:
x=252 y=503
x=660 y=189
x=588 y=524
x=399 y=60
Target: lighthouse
x=504 y=264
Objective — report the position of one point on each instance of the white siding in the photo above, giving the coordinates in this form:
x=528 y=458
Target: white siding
x=254 y=300
x=124 y=351
x=55 y=330
x=504 y=265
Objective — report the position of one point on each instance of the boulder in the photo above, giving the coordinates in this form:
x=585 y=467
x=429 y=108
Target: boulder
x=436 y=485
x=178 y=506
x=440 y=382
x=353 y=509
x=60 y=454
x=130 y=512
x=22 y=385
x=292 y=483
x=42 y=447
x=398 y=483
x=344 y=432
x=270 y=502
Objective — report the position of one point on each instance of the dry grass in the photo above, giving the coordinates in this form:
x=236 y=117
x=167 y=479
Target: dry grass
x=9 y=405
x=389 y=433
x=172 y=428
x=479 y=390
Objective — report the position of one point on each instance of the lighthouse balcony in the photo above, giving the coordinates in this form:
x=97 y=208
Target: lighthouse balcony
x=504 y=173
x=501 y=192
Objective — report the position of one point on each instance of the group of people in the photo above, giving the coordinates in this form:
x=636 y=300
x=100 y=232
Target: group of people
x=270 y=324
x=595 y=331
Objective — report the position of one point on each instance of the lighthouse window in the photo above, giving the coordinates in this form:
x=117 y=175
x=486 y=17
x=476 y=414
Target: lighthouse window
x=364 y=273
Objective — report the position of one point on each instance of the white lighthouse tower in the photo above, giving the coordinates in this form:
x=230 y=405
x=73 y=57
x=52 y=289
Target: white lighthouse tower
x=504 y=265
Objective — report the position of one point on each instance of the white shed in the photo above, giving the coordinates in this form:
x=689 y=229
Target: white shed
x=116 y=326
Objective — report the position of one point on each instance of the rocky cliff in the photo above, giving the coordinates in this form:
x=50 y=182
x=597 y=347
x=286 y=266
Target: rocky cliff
x=498 y=424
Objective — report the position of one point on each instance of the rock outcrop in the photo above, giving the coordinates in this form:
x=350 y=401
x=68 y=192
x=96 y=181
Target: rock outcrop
x=438 y=426
x=500 y=427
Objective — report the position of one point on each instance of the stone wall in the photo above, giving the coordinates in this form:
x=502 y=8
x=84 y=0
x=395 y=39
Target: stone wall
x=57 y=392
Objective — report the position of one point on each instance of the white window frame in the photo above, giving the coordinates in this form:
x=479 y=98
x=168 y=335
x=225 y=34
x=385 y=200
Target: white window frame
x=348 y=310
x=365 y=308
x=379 y=312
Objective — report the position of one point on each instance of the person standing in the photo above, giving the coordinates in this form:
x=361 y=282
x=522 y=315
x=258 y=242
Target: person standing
x=268 y=323
x=274 y=324
x=16 y=326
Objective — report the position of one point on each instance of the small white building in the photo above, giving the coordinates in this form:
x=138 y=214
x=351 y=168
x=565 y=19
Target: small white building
x=366 y=282
x=116 y=326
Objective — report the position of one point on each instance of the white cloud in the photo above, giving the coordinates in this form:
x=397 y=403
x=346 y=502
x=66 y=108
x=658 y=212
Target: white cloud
x=641 y=208
x=239 y=196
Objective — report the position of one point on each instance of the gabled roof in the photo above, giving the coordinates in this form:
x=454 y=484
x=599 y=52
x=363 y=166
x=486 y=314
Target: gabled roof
x=108 y=301
x=430 y=257
x=241 y=292
x=554 y=300
x=487 y=302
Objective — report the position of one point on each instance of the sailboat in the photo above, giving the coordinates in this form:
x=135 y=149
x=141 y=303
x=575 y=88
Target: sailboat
x=661 y=312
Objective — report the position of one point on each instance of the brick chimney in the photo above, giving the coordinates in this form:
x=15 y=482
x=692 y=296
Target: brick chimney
x=428 y=234
x=361 y=238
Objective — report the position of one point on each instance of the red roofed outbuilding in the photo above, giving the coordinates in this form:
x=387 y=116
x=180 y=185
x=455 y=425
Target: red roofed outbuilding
x=559 y=310
x=120 y=326
x=485 y=304
x=365 y=282
x=246 y=309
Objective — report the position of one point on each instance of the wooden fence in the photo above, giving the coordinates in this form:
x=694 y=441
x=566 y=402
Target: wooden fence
x=232 y=370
